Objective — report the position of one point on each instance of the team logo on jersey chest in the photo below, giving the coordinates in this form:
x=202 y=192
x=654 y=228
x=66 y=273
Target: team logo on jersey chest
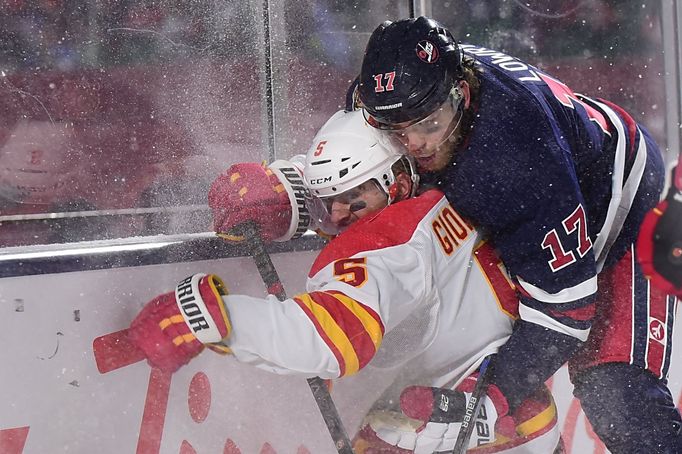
x=427 y=52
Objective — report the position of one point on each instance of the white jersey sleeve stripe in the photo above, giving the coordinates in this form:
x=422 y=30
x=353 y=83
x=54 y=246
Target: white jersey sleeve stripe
x=534 y=316
x=622 y=195
x=567 y=295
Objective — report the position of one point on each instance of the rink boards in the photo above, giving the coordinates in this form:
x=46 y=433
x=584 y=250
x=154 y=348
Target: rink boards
x=55 y=399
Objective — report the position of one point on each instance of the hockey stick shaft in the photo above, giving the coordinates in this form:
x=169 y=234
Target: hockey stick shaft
x=317 y=386
x=473 y=407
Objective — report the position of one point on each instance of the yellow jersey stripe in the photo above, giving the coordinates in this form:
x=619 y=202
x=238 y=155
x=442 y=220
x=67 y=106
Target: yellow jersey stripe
x=333 y=332
x=537 y=422
x=371 y=325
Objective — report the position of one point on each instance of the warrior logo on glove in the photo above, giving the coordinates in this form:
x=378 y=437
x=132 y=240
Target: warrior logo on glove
x=175 y=327
x=293 y=183
x=194 y=310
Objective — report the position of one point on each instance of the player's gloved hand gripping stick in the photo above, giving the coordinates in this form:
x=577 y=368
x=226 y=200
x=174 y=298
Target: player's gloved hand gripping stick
x=473 y=407
x=433 y=419
x=659 y=244
x=171 y=329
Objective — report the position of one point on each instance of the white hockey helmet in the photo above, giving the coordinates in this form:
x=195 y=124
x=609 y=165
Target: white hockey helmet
x=345 y=154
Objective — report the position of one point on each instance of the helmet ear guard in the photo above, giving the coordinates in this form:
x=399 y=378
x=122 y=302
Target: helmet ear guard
x=411 y=169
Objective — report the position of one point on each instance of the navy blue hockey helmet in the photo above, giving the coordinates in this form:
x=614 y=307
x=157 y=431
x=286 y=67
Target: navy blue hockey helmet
x=409 y=69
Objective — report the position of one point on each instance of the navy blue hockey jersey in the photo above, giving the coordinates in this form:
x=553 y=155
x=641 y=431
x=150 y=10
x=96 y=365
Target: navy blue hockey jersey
x=551 y=176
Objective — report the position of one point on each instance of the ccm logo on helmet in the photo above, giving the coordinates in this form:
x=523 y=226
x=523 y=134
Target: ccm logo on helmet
x=320 y=180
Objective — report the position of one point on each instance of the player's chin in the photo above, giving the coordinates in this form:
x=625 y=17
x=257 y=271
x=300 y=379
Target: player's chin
x=427 y=164
x=435 y=162
x=343 y=225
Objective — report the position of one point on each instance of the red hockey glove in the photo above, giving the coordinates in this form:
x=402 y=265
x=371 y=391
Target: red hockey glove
x=174 y=327
x=272 y=196
x=659 y=244
x=432 y=417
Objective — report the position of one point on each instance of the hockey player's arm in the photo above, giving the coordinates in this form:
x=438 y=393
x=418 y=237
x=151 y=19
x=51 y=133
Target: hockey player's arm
x=333 y=330
x=550 y=329
x=322 y=333
x=557 y=292
x=552 y=326
x=336 y=327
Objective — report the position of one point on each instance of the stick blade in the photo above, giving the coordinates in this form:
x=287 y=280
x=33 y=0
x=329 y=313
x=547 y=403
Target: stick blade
x=114 y=350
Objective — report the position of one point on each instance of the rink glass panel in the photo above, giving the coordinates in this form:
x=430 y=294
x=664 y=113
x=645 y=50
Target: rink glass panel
x=116 y=116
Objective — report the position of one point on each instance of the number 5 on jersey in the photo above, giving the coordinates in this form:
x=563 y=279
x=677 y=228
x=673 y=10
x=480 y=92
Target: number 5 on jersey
x=351 y=271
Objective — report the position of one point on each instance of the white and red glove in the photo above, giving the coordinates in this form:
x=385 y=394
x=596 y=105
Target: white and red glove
x=431 y=419
x=659 y=243
x=174 y=327
x=274 y=197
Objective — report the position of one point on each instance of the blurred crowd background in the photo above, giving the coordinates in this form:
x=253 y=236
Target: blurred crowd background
x=115 y=115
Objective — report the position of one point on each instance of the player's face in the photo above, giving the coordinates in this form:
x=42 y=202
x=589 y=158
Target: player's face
x=428 y=140
x=355 y=204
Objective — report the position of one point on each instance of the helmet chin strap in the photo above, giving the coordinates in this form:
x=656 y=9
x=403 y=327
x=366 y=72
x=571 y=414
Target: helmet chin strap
x=460 y=114
x=454 y=138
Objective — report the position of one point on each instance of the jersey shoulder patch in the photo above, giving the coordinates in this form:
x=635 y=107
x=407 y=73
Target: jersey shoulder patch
x=392 y=226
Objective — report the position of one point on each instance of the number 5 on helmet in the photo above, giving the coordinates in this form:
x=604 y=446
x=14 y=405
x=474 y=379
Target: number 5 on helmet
x=174 y=327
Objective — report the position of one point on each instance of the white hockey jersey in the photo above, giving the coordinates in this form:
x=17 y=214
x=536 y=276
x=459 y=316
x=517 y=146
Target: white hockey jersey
x=412 y=283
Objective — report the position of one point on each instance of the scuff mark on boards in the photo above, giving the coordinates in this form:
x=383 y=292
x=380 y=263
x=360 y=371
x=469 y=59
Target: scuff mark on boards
x=56 y=349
